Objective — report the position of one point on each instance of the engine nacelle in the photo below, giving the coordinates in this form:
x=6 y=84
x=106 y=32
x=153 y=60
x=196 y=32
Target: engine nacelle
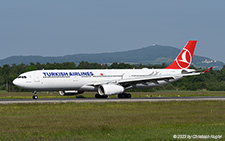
x=110 y=89
x=70 y=92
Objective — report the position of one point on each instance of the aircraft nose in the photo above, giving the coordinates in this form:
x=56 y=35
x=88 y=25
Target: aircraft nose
x=16 y=82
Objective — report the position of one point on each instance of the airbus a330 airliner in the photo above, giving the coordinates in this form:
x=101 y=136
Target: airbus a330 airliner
x=108 y=81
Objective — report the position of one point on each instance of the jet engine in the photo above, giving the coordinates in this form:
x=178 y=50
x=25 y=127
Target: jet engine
x=110 y=89
x=70 y=92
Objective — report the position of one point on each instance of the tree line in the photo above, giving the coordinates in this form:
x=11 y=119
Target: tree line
x=212 y=81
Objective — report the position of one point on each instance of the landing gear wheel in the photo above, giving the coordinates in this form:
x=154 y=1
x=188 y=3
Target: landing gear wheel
x=128 y=95
x=101 y=96
x=35 y=95
x=124 y=95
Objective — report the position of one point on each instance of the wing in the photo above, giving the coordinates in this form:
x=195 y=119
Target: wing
x=154 y=79
x=130 y=81
x=147 y=79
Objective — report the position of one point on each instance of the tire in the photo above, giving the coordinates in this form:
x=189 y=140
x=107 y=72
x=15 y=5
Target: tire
x=35 y=97
x=101 y=96
x=124 y=95
x=128 y=95
x=97 y=96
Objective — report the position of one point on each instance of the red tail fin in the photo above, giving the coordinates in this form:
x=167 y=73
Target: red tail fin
x=183 y=60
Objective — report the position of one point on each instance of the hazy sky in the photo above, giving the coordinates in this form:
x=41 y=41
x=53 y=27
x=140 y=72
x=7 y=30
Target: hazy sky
x=57 y=28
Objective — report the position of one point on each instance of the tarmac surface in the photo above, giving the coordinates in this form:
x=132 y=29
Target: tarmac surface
x=94 y=100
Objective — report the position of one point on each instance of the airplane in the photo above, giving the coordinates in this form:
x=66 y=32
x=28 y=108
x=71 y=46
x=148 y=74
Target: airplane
x=108 y=82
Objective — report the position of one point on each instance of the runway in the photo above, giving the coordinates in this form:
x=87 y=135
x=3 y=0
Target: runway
x=93 y=100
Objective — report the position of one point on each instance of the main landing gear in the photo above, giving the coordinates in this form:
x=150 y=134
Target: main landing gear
x=124 y=95
x=101 y=96
x=35 y=95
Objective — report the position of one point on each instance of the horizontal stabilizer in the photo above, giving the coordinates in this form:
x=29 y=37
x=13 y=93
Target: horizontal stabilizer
x=208 y=70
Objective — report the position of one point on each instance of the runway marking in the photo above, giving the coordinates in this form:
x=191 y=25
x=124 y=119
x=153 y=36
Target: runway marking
x=88 y=100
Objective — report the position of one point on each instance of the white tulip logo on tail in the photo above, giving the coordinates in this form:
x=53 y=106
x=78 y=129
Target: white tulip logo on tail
x=184 y=60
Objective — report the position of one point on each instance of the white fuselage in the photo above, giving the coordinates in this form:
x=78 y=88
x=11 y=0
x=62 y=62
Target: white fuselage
x=86 y=80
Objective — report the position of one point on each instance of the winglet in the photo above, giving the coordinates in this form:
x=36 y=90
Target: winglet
x=208 y=70
x=183 y=60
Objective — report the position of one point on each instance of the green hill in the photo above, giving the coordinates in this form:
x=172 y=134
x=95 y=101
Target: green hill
x=155 y=54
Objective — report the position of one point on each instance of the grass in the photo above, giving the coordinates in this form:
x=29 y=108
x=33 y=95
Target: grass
x=111 y=121
x=28 y=95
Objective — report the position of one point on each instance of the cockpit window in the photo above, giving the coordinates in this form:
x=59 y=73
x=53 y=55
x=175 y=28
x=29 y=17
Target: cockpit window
x=24 y=77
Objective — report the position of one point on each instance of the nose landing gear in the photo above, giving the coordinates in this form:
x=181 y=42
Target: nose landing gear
x=35 y=95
